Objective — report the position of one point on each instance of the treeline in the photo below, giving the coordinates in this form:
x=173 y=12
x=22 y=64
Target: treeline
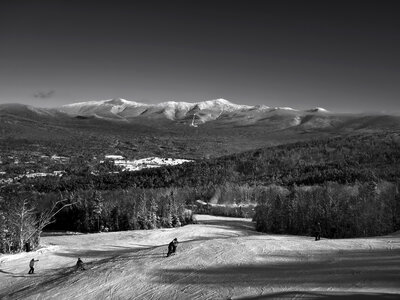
x=24 y=214
x=344 y=211
x=344 y=160
x=356 y=210
x=114 y=210
x=137 y=208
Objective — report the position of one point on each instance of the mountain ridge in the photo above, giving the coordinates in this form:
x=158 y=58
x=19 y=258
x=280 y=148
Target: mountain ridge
x=202 y=111
x=217 y=113
x=172 y=110
x=191 y=131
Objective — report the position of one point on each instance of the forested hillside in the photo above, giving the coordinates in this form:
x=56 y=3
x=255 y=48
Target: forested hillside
x=343 y=159
x=348 y=184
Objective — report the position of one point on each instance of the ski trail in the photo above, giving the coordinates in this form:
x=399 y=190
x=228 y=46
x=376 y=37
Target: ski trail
x=219 y=258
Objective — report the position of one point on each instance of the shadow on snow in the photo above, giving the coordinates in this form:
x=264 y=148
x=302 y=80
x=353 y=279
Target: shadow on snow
x=378 y=269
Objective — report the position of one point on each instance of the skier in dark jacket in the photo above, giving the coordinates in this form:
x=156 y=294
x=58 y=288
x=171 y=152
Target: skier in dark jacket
x=32 y=265
x=79 y=265
x=318 y=231
x=172 y=247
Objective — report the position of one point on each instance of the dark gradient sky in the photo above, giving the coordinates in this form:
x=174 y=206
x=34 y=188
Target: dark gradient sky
x=341 y=55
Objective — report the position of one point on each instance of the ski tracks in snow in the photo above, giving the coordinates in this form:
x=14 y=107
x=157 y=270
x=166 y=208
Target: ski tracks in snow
x=219 y=258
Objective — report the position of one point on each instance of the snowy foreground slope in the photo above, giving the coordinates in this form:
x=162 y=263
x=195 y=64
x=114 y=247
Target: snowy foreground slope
x=219 y=258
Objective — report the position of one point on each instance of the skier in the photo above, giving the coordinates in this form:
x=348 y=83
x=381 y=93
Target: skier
x=172 y=247
x=79 y=265
x=318 y=231
x=31 y=266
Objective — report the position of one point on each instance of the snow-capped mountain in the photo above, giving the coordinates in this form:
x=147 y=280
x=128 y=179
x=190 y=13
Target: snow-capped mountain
x=216 y=119
x=104 y=108
x=199 y=112
x=121 y=108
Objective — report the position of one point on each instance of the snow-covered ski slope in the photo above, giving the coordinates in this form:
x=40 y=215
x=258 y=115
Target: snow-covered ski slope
x=219 y=258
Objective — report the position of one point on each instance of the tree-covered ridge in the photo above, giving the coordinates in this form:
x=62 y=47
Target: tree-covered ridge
x=342 y=159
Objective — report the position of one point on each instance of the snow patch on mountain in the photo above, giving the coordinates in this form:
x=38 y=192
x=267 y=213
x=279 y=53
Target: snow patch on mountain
x=318 y=109
x=261 y=107
x=118 y=102
x=223 y=104
x=175 y=105
x=283 y=108
x=115 y=106
x=171 y=108
x=296 y=121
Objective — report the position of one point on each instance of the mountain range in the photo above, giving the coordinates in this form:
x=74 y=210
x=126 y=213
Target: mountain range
x=198 y=112
x=181 y=128
x=219 y=110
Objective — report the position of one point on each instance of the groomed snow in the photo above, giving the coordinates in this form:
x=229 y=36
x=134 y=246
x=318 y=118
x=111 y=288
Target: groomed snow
x=220 y=258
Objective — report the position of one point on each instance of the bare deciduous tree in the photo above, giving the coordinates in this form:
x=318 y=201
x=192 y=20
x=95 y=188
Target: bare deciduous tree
x=22 y=223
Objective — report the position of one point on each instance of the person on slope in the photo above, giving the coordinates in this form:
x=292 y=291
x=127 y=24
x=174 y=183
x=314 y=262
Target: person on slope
x=79 y=264
x=318 y=231
x=172 y=247
x=32 y=265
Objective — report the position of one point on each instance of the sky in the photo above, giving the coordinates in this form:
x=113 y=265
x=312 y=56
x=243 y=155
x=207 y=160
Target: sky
x=340 y=55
